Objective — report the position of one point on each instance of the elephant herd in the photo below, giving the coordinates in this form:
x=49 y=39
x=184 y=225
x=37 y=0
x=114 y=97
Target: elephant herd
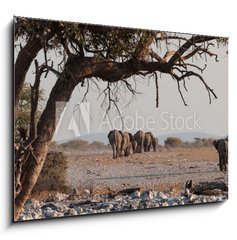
x=123 y=142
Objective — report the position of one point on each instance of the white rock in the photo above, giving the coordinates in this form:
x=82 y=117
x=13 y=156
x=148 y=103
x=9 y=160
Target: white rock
x=193 y=197
x=165 y=204
x=150 y=195
x=110 y=205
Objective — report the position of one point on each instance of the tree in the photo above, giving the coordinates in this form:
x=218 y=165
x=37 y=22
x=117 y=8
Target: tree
x=24 y=108
x=91 y=54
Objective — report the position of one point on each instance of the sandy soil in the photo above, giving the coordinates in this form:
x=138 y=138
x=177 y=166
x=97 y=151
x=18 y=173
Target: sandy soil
x=164 y=170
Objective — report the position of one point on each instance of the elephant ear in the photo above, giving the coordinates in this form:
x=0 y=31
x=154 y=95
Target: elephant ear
x=216 y=143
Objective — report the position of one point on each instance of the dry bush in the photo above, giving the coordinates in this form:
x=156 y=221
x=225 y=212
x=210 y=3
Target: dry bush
x=76 y=145
x=203 y=142
x=54 y=147
x=173 y=142
x=53 y=175
x=97 y=145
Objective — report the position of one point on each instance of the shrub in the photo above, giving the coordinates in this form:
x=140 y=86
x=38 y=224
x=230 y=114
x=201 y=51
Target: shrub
x=76 y=144
x=53 y=175
x=97 y=145
x=203 y=142
x=173 y=142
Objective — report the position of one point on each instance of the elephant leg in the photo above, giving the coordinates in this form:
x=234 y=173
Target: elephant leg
x=127 y=151
x=142 y=146
x=145 y=148
x=221 y=163
x=149 y=148
x=225 y=164
x=114 y=151
x=117 y=152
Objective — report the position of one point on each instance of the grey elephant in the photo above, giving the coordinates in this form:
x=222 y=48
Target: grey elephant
x=155 y=144
x=115 y=140
x=221 y=146
x=148 y=141
x=139 y=137
x=126 y=143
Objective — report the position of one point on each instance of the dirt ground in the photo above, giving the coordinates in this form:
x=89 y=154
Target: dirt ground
x=168 y=168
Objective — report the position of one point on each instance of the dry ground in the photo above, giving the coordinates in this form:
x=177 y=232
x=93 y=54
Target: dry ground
x=164 y=170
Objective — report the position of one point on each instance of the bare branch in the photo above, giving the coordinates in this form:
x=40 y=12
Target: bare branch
x=157 y=90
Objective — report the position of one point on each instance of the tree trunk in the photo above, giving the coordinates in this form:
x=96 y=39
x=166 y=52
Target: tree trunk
x=22 y=65
x=45 y=131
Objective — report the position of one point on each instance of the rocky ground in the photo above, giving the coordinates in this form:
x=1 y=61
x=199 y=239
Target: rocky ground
x=101 y=184
x=63 y=205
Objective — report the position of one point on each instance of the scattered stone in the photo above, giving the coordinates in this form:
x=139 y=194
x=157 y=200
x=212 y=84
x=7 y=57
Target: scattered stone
x=102 y=203
x=136 y=194
x=165 y=204
x=162 y=195
x=71 y=212
x=49 y=206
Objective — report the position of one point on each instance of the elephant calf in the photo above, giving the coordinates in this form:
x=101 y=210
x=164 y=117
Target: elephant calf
x=221 y=146
x=115 y=140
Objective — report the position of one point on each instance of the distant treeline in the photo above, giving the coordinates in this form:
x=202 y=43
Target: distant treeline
x=83 y=145
x=198 y=142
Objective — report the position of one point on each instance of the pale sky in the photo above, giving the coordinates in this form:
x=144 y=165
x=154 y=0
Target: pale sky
x=211 y=119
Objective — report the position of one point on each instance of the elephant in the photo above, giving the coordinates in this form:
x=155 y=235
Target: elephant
x=148 y=141
x=155 y=144
x=221 y=146
x=139 y=137
x=115 y=140
x=126 y=143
